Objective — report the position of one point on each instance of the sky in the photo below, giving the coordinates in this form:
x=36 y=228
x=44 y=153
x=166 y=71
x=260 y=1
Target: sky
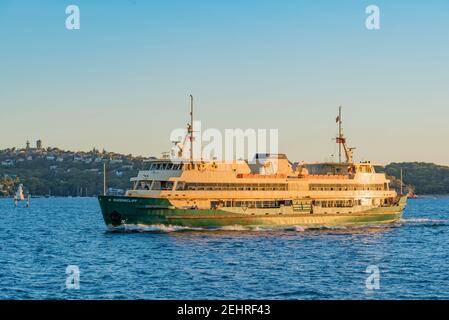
x=121 y=82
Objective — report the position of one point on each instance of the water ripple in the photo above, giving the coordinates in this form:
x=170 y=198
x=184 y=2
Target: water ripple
x=165 y=262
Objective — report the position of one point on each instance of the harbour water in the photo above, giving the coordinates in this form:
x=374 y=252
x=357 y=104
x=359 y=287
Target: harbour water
x=39 y=242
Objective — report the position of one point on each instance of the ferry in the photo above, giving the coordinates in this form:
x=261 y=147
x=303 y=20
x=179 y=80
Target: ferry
x=269 y=191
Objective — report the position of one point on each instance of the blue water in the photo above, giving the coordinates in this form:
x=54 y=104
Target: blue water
x=38 y=243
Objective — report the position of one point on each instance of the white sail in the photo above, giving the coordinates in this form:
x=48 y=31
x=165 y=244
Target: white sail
x=19 y=194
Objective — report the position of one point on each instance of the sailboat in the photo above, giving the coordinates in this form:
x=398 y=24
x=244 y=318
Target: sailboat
x=19 y=194
x=20 y=197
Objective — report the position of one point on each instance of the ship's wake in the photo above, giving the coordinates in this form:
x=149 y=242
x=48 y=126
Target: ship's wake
x=159 y=228
x=156 y=228
x=424 y=221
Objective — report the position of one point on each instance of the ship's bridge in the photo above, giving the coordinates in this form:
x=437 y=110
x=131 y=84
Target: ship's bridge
x=159 y=170
x=325 y=168
x=363 y=170
x=367 y=167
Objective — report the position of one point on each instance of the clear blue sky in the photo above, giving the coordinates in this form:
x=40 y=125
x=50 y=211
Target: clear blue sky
x=122 y=81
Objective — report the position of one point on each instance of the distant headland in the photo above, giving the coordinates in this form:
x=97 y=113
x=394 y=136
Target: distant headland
x=56 y=172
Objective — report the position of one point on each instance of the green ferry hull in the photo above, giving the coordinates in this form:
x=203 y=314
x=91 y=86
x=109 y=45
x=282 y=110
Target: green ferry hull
x=155 y=211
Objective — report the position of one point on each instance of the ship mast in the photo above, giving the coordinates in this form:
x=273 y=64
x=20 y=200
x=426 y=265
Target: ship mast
x=341 y=141
x=190 y=131
x=340 y=134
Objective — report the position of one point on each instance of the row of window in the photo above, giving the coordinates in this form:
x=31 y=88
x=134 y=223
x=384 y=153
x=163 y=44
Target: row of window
x=279 y=203
x=156 y=185
x=179 y=166
x=168 y=185
x=337 y=203
x=232 y=186
x=166 y=166
x=346 y=187
x=250 y=204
